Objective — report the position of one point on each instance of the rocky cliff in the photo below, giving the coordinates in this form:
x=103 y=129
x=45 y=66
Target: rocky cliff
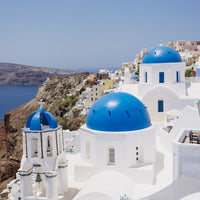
x=15 y=74
x=59 y=95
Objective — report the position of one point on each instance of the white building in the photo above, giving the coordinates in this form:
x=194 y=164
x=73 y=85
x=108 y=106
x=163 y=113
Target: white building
x=117 y=124
x=120 y=154
x=162 y=85
x=44 y=164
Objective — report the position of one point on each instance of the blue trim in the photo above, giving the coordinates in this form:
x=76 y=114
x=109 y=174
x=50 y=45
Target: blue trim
x=44 y=130
x=25 y=174
x=161 y=77
x=63 y=166
x=160 y=106
x=50 y=176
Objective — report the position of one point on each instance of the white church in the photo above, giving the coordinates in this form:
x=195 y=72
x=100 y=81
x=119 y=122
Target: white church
x=127 y=149
x=162 y=87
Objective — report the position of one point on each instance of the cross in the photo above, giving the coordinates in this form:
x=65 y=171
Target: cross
x=40 y=103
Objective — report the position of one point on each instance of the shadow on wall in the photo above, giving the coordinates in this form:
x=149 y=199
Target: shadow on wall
x=180 y=189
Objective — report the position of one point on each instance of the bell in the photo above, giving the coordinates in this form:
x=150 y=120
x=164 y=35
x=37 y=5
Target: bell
x=38 y=178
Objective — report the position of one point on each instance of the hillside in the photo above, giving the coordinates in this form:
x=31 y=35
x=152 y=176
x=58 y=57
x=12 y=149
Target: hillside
x=59 y=95
x=15 y=74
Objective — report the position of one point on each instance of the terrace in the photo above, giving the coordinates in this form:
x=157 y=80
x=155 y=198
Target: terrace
x=190 y=137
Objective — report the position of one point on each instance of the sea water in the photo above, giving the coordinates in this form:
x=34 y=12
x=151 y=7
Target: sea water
x=13 y=96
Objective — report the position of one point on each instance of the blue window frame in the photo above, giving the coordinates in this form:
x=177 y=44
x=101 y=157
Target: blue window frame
x=177 y=76
x=160 y=106
x=145 y=77
x=161 y=77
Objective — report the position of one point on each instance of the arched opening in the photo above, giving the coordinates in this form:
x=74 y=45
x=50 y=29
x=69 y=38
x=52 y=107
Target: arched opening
x=34 y=147
x=87 y=150
x=49 y=146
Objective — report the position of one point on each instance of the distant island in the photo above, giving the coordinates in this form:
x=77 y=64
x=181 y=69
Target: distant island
x=17 y=74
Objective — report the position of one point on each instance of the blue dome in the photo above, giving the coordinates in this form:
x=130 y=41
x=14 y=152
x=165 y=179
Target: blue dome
x=162 y=54
x=117 y=112
x=41 y=117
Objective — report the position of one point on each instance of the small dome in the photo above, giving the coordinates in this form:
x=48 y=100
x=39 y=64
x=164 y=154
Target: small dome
x=41 y=117
x=117 y=112
x=162 y=54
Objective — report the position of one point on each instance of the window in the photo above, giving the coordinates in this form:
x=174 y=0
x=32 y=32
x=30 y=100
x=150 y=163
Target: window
x=96 y=94
x=137 y=153
x=34 y=147
x=111 y=156
x=161 y=77
x=145 y=77
x=49 y=146
x=91 y=99
x=160 y=106
x=177 y=76
x=96 y=89
x=87 y=150
x=60 y=143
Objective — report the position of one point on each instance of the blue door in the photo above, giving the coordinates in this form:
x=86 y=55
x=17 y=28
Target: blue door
x=145 y=77
x=160 y=106
x=161 y=77
x=177 y=78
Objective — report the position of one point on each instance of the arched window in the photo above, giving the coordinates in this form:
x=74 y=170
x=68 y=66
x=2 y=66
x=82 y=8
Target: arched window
x=87 y=150
x=49 y=146
x=34 y=147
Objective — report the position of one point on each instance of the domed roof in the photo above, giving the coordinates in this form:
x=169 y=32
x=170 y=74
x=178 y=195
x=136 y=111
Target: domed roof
x=162 y=54
x=41 y=117
x=117 y=112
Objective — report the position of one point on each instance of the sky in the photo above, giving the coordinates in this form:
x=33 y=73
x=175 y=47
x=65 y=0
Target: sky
x=88 y=35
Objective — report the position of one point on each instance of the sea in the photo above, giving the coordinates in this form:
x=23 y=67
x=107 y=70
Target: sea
x=13 y=96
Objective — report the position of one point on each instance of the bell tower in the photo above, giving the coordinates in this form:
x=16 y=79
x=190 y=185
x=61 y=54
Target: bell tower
x=44 y=163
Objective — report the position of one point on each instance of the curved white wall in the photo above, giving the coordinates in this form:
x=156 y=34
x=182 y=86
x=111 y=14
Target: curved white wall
x=170 y=98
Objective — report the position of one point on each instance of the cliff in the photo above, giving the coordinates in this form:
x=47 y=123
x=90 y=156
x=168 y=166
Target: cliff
x=15 y=74
x=59 y=95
